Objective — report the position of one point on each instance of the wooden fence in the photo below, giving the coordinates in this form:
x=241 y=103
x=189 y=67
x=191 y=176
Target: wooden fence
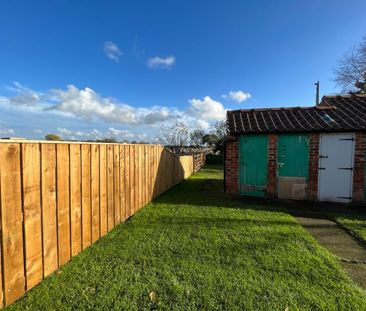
x=56 y=199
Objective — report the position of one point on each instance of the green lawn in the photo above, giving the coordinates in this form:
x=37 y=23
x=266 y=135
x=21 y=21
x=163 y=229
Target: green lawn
x=356 y=224
x=195 y=248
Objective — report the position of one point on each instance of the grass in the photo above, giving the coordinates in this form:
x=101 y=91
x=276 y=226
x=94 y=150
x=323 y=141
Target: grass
x=195 y=248
x=355 y=224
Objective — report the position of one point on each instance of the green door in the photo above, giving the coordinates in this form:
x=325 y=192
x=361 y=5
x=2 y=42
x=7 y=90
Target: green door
x=293 y=155
x=293 y=166
x=253 y=163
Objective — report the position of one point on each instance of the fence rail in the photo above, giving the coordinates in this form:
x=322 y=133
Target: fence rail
x=56 y=199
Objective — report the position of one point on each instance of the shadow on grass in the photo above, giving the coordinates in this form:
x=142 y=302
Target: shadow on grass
x=218 y=221
x=201 y=191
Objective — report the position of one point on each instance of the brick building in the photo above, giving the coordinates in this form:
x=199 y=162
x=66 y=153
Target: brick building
x=303 y=153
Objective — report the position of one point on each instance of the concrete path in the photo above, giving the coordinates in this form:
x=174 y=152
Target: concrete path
x=351 y=252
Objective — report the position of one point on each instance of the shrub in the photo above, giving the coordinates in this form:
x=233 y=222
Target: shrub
x=217 y=159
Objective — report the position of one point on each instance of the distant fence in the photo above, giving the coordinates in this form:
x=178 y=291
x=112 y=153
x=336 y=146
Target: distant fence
x=56 y=199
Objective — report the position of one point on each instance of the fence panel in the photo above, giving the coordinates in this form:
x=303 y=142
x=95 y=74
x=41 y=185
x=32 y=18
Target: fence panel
x=110 y=206
x=11 y=222
x=85 y=196
x=49 y=210
x=63 y=203
x=31 y=163
x=58 y=198
x=95 y=162
x=103 y=190
x=75 y=198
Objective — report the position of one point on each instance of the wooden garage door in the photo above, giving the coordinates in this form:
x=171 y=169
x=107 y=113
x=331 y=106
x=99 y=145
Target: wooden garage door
x=293 y=166
x=336 y=153
x=253 y=162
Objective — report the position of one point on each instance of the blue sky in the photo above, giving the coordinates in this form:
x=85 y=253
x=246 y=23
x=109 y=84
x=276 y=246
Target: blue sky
x=90 y=69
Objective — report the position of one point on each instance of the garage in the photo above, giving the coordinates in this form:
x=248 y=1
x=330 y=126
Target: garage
x=314 y=153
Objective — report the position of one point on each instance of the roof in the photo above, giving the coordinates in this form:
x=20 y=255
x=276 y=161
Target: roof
x=339 y=113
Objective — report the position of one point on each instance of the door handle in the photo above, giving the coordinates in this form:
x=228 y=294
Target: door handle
x=323 y=157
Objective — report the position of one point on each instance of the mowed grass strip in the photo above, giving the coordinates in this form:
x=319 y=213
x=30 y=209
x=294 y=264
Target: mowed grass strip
x=356 y=224
x=195 y=248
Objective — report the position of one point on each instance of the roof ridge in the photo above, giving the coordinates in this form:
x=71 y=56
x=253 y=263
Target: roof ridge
x=321 y=107
x=345 y=95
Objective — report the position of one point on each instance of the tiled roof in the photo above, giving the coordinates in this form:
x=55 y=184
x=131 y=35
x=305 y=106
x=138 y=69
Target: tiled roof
x=333 y=114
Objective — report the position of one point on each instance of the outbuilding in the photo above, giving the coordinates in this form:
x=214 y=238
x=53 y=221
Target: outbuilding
x=302 y=153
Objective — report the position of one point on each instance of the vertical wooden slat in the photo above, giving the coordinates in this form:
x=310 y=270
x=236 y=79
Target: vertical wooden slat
x=116 y=172
x=159 y=172
x=132 y=178
x=103 y=190
x=110 y=189
x=75 y=198
x=143 y=176
x=63 y=203
x=151 y=161
x=127 y=182
x=137 y=186
x=1 y=247
x=31 y=169
x=85 y=196
x=146 y=178
x=11 y=222
x=143 y=188
x=122 y=182
x=95 y=192
x=138 y=176
x=153 y=155
x=139 y=165
x=49 y=213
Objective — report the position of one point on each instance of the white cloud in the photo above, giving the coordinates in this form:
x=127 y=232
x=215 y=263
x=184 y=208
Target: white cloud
x=24 y=98
x=73 y=105
x=238 y=96
x=64 y=131
x=160 y=62
x=95 y=134
x=86 y=104
x=5 y=131
x=89 y=105
x=207 y=109
x=112 y=51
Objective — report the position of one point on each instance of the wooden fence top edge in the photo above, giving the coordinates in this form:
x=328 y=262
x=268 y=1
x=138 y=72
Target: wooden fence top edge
x=29 y=141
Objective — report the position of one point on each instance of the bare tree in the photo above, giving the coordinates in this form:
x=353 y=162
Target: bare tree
x=219 y=131
x=175 y=136
x=350 y=74
x=197 y=138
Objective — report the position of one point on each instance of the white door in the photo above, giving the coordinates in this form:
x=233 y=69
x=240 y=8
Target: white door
x=336 y=152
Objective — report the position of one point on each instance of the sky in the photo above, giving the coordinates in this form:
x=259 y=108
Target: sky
x=96 y=69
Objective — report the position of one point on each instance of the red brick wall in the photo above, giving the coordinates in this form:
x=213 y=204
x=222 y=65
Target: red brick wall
x=272 y=166
x=313 y=167
x=231 y=165
x=359 y=166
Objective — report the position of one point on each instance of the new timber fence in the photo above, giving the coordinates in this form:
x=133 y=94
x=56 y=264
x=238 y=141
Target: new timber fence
x=56 y=199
